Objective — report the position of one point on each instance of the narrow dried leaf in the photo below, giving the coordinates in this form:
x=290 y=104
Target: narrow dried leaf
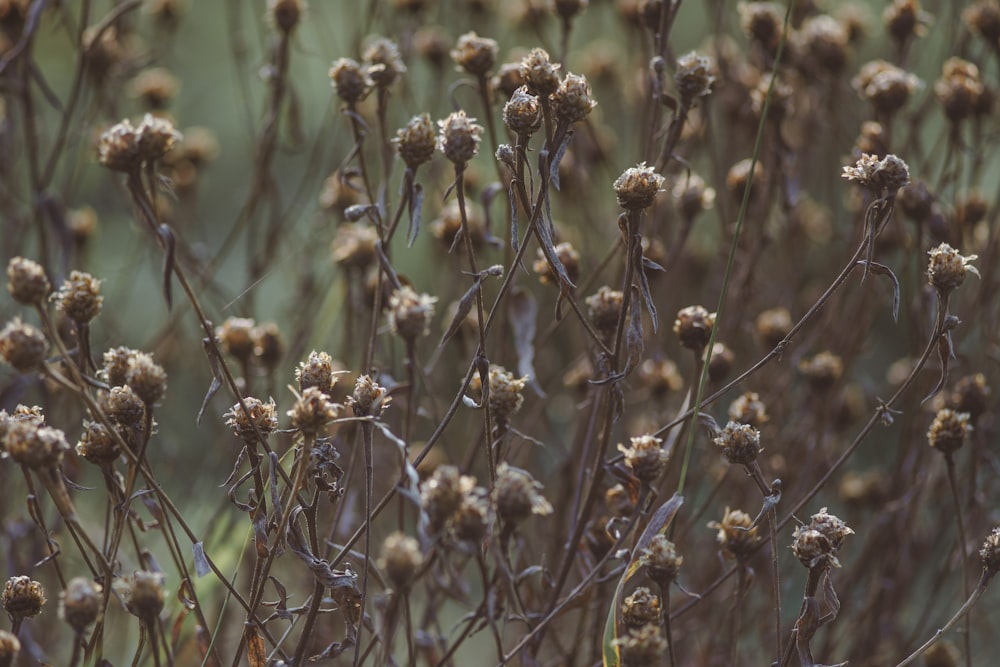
x=256 y=653
x=513 y=217
x=523 y=313
x=170 y=247
x=201 y=565
x=216 y=385
x=647 y=296
x=557 y=158
x=633 y=334
x=883 y=270
x=416 y=209
x=463 y=310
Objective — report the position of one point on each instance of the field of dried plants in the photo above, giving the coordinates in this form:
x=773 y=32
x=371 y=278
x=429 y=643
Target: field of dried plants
x=486 y=332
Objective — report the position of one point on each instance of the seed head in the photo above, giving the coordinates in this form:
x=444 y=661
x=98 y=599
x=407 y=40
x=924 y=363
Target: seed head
x=235 y=338
x=692 y=196
x=568 y=257
x=645 y=457
x=416 y=141
x=735 y=536
x=506 y=393
x=749 y=409
x=885 y=86
x=947 y=268
x=350 y=81
x=369 y=398
x=720 y=362
x=824 y=41
x=79 y=297
x=960 y=90
x=410 y=313
x=507 y=79
x=155 y=87
x=400 y=560
x=948 y=431
x=118 y=148
x=383 y=61
x=476 y=55
x=522 y=114
x=990 y=552
x=762 y=23
x=661 y=560
x=641 y=608
x=694 y=77
x=116 y=365
x=916 y=200
x=285 y=14
x=904 y=19
x=636 y=188
x=146 y=378
x=9 y=648
x=603 y=309
x=567 y=9
x=516 y=495
x=539 y=73
x=23 y=597
x=355 y=244
x=693 y=327
x=970 y=394
x=97 y=444
x=740 y=443
x=447 y=227
x=572 y=101
x=124 y=407
x=983 y=18
x=80 y=603
x=660 y=376
x=142 y=594
x=738 y=177
x=319 y=371
x=262 y=415
x=816 y=544
x=643 y=647
x=268 y=345
x=459 y=137
x=155 y=137
x=469 y=522
x=27 y=282
x=886 y=175
x=312 y=411
x=442 y=493
x=822 y=371
x=22 y=345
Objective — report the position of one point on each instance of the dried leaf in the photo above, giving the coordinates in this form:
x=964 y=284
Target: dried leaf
x=513 y=217
x=416 y=208
x=213 y=389
x=463 y=310
x=557 y=158
x=256 y=653
x=633 y=335
x=170 y=246
x=883 y=270
x=201 y=565
x=523 y=313
x=647 y=296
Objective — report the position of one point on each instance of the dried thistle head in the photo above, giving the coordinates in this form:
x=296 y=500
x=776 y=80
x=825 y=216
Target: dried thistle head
x=879 y=176
x=568 y=257
x=155 y=137
x=142 y=593
x=516 y=495
x=947 y=268
x=661 y=560
x=474 y=54
x=285 y=14
x=507 y=79
x=448 y=225
x=970 y=394
x=155 y=87
x=79 y=298
x=572 y=101
x=459 y=137
x=693 y=327
x=694 y=77
x=97 y=444
x=824 y=43
x=350 y=80
x=720 y=362
x=80 y=603
x=258 y=413
x=885 y=86
x=822 y=371
x=983 y=19
x=27 y=282
x=948 y=431
x=916 y=200
x=749 y=409
x=146 y=378
x=540 y=74
x=740 y=443
x=23 y=597
x=10 y=646
x=318 y=370
x=383 y=61
x=904 y=20
x=369 y=398
x=816 y=544
x=660 y=376
x=641 y=608
x=739 y=177
x=400 y=559
x=960 y=89
x=115 y=365
x=235 y=337
x=22 y=345
x=442 y=493
x=990 y=552
x=603 y=309
x=469 y=523
x=117 y=148
x=762 y=23
x=642 y=647
x=124 y=407
x=268 y=345
x=734 y=534
x=645 y=457
x=522 y=113
x=410 y=313
x=692 y=196
x=312 y=411
x=506 y=393
x=416 y=141
x=354 y=244
x=637 y=187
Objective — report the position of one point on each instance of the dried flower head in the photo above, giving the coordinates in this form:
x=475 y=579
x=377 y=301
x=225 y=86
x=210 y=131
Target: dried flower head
x=822 y=371
x=823 y=41
x=604 y=308
x=738 y=177
x=350 y=80
x=762 y=23
x=10 y=646
x=474 y=54
x=749 y=409
x=816 y=544
x=522 y=113
x=410 y=313
x=285 y=14
x=566 y=9
x=115 y=365
x=540 y=74
x=572 y=101
x=318 y=370
x=693 y=327
x=885 y=86
x=990 y=552
x=369 y=398
x=80 y=603
x=146 y=378
x=960 y=89
x=735 y=536
x=517 y=496
x=383 y=61
x=416 y=141
x=645 y=457
x=636 y=188
x=142 y=594
x=22 y=345
x=661 y=560
x=441 y=494
x=312 y=411
x=125 y=148
x=740 y=443
x=354 y=244
x=507 y=79
x=885 y=175
x=642 y=647
x=692 y=196
x=568 y=257
x=948 y=431
x=641 y=608
x=27 y=282
x=720 y=362
x=448 y=225
x=694 y=77
x=23 y=597
x=400 y=559
x=660 y=376
x=459 y=137
x=916 y=200
x=983 y=18
x=506 y=393
x=97 y=444
x=947 y=268
x=235 y=337
x=469 y=522
x=970 y=394
x=904 y=20
x=268 y=345
x=79 y=297
x=124 y=407
x=263 y=416
x=155 y=87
